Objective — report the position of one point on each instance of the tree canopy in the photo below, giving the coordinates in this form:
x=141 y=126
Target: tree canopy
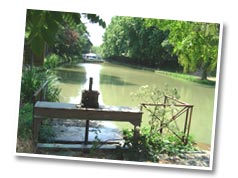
x=196 y=45
x=153 y=42
x=131 y=38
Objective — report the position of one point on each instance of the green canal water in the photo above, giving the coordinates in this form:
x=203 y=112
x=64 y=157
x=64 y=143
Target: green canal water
x=116 y=83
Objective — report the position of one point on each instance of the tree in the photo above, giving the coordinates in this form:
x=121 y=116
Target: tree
x=41 y=27
x=131 y=37
x=195 y=43
x=71 y=42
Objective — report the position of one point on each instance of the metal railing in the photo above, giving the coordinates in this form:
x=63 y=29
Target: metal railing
x=182 y=108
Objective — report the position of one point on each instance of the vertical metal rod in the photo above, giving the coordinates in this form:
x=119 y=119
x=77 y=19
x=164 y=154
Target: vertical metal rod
x=190 y=119
x=185 y=126
x=87 y=121
x=90 y=83
x=86 y=132
x=162 y=121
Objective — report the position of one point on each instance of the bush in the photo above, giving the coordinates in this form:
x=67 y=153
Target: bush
x=25 y=126
x=152 y=141
x=32 y=79
x=149 y=146
x=52 y=61
x=25 y=122
x=46 y=133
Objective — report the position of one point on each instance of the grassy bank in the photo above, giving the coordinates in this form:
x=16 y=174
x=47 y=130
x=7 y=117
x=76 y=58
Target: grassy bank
x=188 y=77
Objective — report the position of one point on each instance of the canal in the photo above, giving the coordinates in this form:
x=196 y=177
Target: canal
x=116 y=83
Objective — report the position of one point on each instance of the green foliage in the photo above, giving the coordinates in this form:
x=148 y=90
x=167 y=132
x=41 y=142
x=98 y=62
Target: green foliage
x=32 y=79
x=195 y=43
x=53 y=91
x=43 y=26
x=46 y=133
x=25 y=125
x=187 y=77
x=52 y=61
x=151 y=142
x=97 y=50
x=159 y=115
x=149 y=146
x=130 y=37
x=72 y=41
x=157 y=43
x=25 y=121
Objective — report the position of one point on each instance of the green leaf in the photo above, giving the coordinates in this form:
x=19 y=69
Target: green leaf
x=48 y=36
x=37 y=45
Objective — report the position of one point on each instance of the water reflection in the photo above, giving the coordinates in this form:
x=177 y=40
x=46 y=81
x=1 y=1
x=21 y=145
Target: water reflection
x=92 y=70
x=115 y=83
x=113 y=80
x=71 y=77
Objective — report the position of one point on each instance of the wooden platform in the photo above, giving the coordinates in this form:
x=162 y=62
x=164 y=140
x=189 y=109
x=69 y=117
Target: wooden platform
x=50 y=110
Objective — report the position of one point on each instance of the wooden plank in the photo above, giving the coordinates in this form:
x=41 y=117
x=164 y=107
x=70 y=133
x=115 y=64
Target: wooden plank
x=67 y=110
x=56 y=105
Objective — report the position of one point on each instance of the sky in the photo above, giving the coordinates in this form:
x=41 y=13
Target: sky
x=95 y=31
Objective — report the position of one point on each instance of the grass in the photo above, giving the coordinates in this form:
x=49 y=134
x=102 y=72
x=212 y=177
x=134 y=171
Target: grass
x=188 y=77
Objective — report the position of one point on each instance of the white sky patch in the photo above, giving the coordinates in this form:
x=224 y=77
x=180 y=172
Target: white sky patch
x=95 y=30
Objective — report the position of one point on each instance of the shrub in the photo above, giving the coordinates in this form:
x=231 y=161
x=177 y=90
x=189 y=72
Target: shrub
x=25 y=126
x=25 y=122
x=46 y=133
x=149 y=146
x=151 y=142
x=32 y=79
x=52 y=61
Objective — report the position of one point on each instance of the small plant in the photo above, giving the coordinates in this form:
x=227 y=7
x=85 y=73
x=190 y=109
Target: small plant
x=149 y=146
x=25 y=125
x=96 y=142
x=159 y=115
x=46 y=132
x=152 y=141
x=25 y=121
x=31 y=81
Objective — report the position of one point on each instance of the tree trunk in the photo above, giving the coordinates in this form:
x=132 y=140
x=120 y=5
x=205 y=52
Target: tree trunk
x=39 y=60
x=204 y=74
x=31 y=59
x=205 y=70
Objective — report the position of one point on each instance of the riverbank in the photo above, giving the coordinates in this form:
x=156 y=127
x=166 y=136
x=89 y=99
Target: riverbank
x=211 y=81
